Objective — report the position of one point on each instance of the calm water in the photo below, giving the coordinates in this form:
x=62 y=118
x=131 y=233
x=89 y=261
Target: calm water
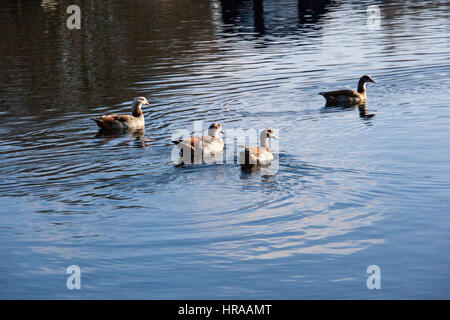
x=350 y=191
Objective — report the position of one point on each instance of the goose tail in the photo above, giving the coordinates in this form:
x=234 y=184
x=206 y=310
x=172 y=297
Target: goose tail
x=99 y=122
x=181 y=144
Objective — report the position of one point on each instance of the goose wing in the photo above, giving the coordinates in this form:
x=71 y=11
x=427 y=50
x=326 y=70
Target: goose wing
x=346 y=92
x=256 y=151
x=108 y=121
x=191 y=142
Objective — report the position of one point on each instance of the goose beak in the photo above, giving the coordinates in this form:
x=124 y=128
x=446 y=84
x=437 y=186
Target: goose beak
x=148 y=103
x=274 y=137
x=221 y=131
x=371 y=80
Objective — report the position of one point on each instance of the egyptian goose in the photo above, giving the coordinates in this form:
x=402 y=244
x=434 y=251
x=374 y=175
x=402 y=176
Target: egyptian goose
x=252 y=156
x=347 y=96
x=135 y=121
x=203 y=145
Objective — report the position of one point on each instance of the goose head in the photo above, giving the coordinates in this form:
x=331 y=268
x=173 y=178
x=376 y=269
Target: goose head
x=268 y=133
x=366 y=78
x=136 y=106
x=264 y=137
x=362 y=83
x=139 y=101
x=215 y=129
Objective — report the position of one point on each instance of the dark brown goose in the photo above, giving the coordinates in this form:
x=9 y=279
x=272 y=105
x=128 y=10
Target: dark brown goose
x=347 y=96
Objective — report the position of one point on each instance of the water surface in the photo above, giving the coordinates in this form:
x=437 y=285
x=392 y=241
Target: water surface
x=349 y=192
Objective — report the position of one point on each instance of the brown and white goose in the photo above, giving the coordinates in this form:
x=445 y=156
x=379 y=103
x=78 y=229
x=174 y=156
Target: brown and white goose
x=203 y=145
x=253 y=156
x=135 y=121
x=347 y=96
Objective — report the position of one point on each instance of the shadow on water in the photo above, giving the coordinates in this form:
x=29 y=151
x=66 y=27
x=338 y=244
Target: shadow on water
x=268 y=18
x=311 y=12
x=138 y=136
x=362 y=109
x=266 y=171
x=256 y=170
x=195 y=159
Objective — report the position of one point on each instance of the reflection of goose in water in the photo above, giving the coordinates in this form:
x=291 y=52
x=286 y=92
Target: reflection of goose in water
x=137 y=136
x=135 y=121
x=362 y=108
x=363 y=112
x=348 y=97
x=251 y=157
x=263 y=17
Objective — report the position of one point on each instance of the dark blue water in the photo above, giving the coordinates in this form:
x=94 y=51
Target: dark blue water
x=347 y=191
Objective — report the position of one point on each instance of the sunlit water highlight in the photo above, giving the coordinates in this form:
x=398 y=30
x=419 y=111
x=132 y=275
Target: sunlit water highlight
x=349 y=191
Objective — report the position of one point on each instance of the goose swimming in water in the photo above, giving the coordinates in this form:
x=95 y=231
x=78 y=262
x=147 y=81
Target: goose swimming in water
x=135 y=121
x=252 y=156
x=203 y=145
x=347 y=96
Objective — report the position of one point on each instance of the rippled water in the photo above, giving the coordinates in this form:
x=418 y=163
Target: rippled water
x=350 y=191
